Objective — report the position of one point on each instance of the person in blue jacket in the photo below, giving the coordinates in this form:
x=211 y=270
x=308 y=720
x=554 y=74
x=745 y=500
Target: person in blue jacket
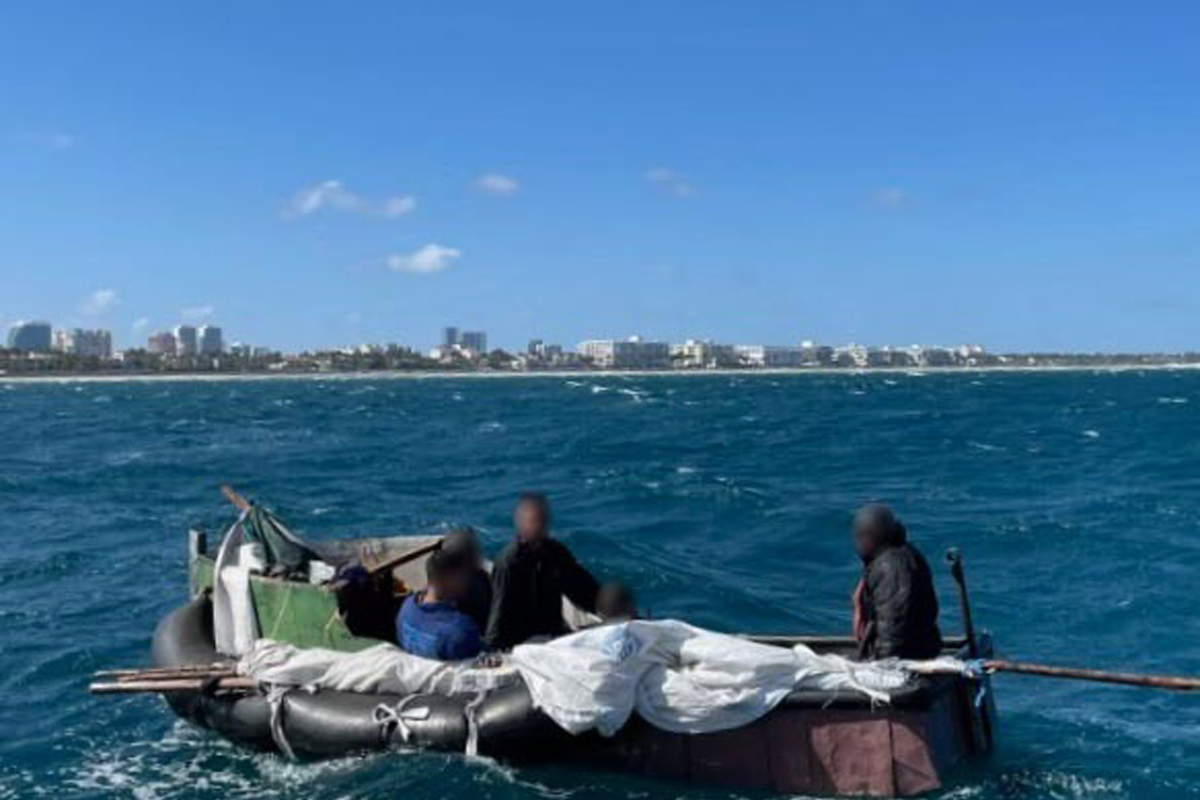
x=430 y=623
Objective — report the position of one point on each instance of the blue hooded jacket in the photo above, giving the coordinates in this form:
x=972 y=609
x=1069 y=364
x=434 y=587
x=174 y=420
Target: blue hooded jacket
x=437 y=630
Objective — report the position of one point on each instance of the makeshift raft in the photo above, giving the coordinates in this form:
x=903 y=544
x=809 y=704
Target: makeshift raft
x=813 y=742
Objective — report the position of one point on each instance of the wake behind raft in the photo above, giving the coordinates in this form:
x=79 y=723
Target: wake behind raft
x=318 y=679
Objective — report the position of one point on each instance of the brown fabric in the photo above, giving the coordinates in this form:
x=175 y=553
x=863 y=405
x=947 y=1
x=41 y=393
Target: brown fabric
x=853 y=755
x=884 y=752
x=857 y=601
x=914 y=767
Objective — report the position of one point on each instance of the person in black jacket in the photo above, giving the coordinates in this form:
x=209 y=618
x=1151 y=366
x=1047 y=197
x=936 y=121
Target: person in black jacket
x=896 y=607
x=530 y=578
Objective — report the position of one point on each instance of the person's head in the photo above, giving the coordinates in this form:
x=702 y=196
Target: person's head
x=448 y=574
x=464 y=542
x=615 y=601
x=532 y=517
x=876 y=527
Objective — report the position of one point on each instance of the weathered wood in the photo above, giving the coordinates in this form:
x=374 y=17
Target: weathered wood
x=1174 y=682
x=203 y=669
x=240 y=502
x=404 y=558
x=169 y=686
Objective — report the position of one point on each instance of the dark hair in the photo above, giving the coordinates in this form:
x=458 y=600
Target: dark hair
x=461 y=540
x=442 y=563
x=883 y=523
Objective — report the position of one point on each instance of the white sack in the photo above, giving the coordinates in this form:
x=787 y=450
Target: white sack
x=678 y=677
x=235 y=623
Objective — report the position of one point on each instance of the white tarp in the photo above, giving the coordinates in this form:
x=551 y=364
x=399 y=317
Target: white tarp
x=235 y=623
x=676 y=676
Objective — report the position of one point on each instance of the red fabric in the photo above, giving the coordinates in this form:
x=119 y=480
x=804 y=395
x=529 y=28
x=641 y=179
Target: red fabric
x=858 y=600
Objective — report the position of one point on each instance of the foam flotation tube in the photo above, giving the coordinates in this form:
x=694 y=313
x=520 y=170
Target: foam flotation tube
x=328 y=724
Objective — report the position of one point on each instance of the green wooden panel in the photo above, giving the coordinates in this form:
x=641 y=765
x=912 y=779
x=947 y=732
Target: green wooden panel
x=202 y=573
x=303 y=615
x=296 y=613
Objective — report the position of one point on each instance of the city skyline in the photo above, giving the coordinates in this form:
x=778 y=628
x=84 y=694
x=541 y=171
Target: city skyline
x=845 y=172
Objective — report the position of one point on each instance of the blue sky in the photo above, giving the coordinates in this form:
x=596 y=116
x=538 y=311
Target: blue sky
x=1022 y=175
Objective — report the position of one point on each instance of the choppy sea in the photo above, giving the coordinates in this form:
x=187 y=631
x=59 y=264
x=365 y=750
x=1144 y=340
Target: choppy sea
x=723 y=500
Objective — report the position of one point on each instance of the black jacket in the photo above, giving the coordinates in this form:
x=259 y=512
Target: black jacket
x=477 y=602
x=901 y=605
x=529 y=580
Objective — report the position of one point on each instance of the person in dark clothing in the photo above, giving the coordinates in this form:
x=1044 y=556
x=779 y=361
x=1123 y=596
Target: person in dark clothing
x=530 y=578
x=430 y=624
x=476 y=601
x=895 y=605
x=615 y=603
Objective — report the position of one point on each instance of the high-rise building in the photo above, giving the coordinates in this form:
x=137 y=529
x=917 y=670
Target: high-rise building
x=185 y=340
x=86 y=343
x=449 y=337
x=211 y=342
x=161 y=343
x=475 y=341
x=32 y=337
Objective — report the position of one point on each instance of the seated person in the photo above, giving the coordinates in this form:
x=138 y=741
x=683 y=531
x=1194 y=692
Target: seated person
x=430 y=623
x=476 y=602
x=615 y=603
x=896 y=607
x=530 y=578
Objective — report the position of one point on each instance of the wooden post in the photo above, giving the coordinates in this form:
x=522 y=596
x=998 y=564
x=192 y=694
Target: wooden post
x=197 y=547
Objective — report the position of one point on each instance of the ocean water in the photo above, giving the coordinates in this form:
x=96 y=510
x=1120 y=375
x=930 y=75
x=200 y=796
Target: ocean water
x=723 y=500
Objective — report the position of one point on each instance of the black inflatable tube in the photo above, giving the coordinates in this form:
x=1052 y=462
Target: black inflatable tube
x=329 y=723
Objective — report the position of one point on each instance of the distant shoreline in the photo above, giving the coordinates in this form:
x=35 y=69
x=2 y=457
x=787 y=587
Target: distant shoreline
x=580 y=374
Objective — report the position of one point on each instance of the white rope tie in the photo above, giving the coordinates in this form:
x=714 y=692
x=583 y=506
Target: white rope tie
x=395 y=719
x=275 y=698
x=472 y=748
x=276 y=694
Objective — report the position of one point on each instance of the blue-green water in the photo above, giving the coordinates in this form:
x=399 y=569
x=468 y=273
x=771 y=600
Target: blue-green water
x=723 y=499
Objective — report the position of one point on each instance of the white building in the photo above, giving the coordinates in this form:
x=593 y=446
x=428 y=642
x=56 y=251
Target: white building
x=631 y=353
x=161 y=343
x=694 y=354
x=771 y=356
x=185 y=340
x=85 y=343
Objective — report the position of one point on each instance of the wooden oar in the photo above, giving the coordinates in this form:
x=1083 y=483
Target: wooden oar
x=170 y=685
x=232 y=496
x=191 y=669
x=1173 y=682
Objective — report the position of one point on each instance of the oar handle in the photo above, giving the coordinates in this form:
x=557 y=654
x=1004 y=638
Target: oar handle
x=1174 y=682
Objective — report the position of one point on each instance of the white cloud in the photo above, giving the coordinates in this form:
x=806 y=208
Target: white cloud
x=670 y=181
x=892 y=198
x=496 y=184
x=399 y=206
x=99 y=301
x=333 y=195
x=424 y=261
x=140 y=324
x=198 y=312
x=325 y=195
